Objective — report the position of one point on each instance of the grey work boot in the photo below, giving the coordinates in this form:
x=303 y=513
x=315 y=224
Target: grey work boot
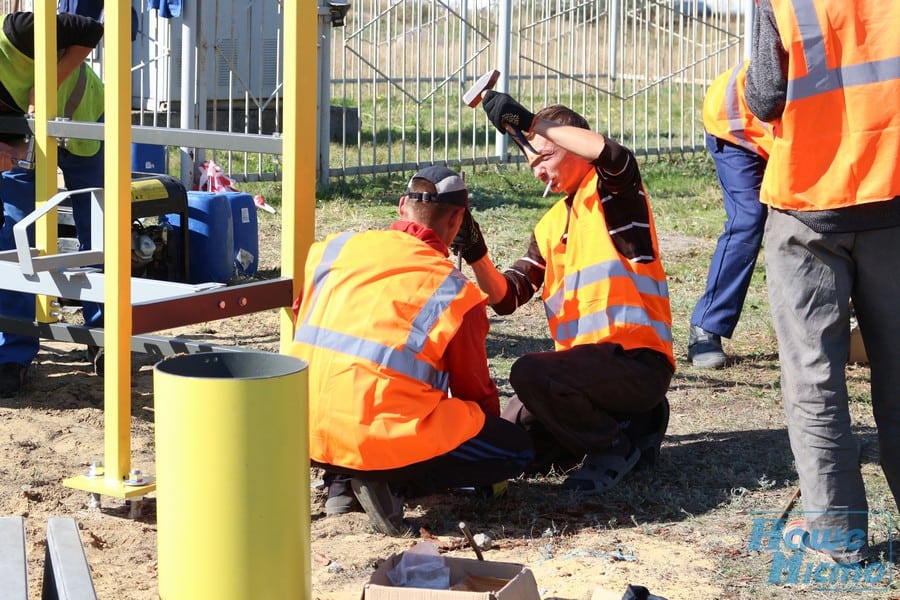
x=705 y=349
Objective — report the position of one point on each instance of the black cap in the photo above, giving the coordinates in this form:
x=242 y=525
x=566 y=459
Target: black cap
x=449 y=186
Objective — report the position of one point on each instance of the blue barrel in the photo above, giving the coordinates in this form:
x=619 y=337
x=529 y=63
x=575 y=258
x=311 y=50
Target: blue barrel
x=148 y=158
x=210 y=237
x=246 y=233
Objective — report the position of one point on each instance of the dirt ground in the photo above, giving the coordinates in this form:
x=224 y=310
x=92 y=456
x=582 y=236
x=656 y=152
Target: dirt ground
x=55 y=430
x=681 y=530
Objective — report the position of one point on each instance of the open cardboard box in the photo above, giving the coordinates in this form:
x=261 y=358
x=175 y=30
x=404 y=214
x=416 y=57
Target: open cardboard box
x=469 y=580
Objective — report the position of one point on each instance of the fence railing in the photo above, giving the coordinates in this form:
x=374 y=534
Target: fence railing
x=397 y=69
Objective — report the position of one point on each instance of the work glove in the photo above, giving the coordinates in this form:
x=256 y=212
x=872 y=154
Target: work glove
x=469 y=243
x=502 y=110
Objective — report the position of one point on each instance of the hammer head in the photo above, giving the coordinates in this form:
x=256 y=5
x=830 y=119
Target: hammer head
x=472 y=97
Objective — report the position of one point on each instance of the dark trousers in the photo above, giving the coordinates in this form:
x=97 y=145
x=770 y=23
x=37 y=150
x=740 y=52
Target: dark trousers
x=501 y=450
x=573 y=402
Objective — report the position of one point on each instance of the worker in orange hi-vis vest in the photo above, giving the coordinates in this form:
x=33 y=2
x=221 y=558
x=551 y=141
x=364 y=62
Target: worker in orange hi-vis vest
x=399 y=389
x=826 y=75
x=739 y=145
x=600 y=397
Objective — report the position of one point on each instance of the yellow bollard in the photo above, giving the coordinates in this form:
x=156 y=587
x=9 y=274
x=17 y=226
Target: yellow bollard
x=232 y=476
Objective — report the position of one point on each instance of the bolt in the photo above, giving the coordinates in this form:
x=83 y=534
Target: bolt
x=95 y=469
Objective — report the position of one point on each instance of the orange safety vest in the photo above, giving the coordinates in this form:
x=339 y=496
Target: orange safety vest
x=591 y=293
x=727 y=117
x=837 y=143
x=374 y=333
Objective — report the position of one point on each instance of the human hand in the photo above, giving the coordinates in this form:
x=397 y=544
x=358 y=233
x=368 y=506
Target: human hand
x=469 y=243
x=503 y=111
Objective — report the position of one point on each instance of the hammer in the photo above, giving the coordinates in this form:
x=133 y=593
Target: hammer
x=473 y=96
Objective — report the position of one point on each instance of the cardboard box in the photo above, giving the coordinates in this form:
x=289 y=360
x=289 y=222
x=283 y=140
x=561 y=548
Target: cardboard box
x=498 y=580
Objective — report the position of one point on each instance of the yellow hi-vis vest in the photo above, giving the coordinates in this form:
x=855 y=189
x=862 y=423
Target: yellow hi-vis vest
x=377 y=313
x=837 y=142
x=727 y=117
x=79 y=97
x=591 y=292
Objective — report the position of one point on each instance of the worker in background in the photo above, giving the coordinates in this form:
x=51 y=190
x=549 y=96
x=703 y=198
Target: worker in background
x=599 y=399
x=826 y=75
x=399 y=389
x=80 y=98
x=739 y=145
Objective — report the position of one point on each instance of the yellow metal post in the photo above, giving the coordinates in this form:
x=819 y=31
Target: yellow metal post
x=117 y=263
x=45 y=148
x=298 y=212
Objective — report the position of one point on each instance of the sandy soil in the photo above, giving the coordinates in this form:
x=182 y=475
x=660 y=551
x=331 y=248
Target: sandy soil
x=55 y=429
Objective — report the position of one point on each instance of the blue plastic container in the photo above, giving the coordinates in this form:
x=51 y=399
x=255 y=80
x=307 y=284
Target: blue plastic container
x=246 y=233
x=210 y=237
x=148 y=158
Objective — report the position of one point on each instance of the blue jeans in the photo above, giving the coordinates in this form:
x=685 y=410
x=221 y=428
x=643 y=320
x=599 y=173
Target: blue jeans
x=740 y=173
x=17 y=193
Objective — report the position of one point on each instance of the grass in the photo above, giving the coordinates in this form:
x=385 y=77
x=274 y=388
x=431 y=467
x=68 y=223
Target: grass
x=726 y=454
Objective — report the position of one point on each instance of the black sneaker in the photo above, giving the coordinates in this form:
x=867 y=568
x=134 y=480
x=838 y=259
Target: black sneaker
x=12 y=378
x=384 y=509
x=705 y=349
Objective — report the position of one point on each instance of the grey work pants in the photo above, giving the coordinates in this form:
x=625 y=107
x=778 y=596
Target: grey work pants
x=811 y=278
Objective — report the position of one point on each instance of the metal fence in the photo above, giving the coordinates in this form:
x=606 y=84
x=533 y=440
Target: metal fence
x=636 y=69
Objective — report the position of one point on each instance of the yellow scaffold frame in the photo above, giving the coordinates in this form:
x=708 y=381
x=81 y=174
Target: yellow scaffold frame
x=297 y=214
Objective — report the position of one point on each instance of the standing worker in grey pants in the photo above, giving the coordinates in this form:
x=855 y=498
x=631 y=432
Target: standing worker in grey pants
x=833 y=235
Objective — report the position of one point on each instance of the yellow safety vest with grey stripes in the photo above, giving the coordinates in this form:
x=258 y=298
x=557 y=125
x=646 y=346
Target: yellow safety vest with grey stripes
x=837 y=142
x=377 y=313
x=592 y=293
x=80 y=96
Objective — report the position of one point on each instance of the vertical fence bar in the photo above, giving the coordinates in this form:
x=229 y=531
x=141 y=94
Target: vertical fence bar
x=504 y=32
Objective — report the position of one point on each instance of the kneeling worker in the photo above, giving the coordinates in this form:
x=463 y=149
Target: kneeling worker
x=399 y=387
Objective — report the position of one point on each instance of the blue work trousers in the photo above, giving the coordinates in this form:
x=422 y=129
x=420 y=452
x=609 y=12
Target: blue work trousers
x=740 y=173
x=17 y=191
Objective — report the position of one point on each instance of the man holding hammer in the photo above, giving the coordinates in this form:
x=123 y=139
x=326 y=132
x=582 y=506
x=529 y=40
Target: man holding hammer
x=600 y=397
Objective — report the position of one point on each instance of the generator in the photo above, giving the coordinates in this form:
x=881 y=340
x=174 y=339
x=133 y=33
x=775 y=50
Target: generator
x=156 y=253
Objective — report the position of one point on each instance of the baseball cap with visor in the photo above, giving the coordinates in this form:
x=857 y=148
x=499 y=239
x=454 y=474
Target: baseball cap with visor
x=449 y=186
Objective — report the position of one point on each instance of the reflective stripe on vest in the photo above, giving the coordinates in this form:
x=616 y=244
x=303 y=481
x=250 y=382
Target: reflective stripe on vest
x=820 y=79
x=612 y=314
x=77 y=93
x=402 y=361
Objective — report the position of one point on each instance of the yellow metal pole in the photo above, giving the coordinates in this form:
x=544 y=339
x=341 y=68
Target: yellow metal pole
x=117 y=241
x=117 y=264
x=298 y=225
x=45 y=149
x=298 y=213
